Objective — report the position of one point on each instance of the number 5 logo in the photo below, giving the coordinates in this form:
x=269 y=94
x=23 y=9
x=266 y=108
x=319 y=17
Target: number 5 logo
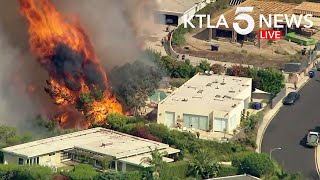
x=245 y=17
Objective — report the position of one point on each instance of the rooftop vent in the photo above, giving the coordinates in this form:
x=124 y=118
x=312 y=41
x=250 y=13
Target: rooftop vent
x=234 y=105
x=198 y=97
x=193 y=87
x=227 y=97
x=200 y=91
x=215 y=81
x=209 y=84
x=218 y=96
x=184 y=100
x=222 y=83
x=217 y=87
x=232 y=91
x=106 y=144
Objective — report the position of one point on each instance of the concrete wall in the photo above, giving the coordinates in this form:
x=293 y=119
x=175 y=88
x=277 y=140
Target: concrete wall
x=278 y=98
x=200 y=111
x=237 y=112
x=54 y=159
x=163 y=108
x=11 y=158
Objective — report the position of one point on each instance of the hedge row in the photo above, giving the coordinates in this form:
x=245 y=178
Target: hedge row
x=177 y=169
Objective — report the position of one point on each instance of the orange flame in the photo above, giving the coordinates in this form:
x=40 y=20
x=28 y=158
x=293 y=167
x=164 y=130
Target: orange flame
x=47 y=29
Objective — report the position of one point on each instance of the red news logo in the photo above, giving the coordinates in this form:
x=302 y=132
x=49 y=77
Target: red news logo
x=270 y=34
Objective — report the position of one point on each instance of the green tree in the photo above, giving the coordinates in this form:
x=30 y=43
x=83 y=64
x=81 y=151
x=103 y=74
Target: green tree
x=130 y=175
x=6 y=132
x=105 y=162
x=272 y=80
x=117 y=121
x=153 y=55
x=10 y=137
x=184 y=70
x=82 y=172
x=256 y=164
x=86 y=98
x=156 y=161
x=204 y=164
x=25 y=172
x=97 y=94
x=134 y=82
x=204 y=65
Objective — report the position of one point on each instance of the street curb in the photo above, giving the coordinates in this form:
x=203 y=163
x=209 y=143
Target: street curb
x=265 y=128
x=316 y=160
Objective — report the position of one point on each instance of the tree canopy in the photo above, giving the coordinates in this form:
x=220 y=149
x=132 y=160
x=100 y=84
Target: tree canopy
x=134 y=82
x=204 y=164
x=256 y=164
x=24 y=172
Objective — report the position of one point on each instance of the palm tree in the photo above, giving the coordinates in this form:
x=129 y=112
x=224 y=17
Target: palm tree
x=155 y=161
x=204 y=164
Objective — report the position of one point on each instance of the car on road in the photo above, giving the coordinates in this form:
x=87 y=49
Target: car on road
x=291 y=98
x=313 y=139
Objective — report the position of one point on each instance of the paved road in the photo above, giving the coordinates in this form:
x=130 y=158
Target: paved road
x=289 y=127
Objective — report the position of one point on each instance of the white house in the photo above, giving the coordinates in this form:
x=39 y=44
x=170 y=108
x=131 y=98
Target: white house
x=97 y=143
x=207 y=102
x=173 y=11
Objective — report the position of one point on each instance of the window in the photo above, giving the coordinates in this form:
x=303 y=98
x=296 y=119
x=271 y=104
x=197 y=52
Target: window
x=195 y=121
x=113 y=165
x=28 y=161
x=37 y=160
x=20 y=161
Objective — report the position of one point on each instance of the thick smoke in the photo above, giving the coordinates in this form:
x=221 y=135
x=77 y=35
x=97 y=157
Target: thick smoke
x=116 y=27
x=70 y=66
x=21 y=77
x=19 y=103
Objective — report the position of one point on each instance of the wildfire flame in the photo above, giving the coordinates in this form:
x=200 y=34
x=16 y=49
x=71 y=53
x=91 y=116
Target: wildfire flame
x=65 y=51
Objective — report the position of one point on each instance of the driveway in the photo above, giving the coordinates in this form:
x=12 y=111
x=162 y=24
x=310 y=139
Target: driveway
x=289 y=128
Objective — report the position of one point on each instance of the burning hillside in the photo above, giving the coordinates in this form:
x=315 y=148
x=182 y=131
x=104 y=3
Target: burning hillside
x=64 y=50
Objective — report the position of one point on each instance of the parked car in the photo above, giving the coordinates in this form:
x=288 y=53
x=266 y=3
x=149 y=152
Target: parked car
x=313 y=139
x=291 y=98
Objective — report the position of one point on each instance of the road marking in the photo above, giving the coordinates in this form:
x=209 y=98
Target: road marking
x=316 y=160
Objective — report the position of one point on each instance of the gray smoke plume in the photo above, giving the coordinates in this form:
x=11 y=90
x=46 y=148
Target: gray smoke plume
x=113 y=26
x=21 y=78
x=20 y=102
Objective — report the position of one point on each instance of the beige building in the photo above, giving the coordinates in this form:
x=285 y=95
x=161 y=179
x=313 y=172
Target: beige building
x=208 y=102
x=97 y=143
x=173 y=11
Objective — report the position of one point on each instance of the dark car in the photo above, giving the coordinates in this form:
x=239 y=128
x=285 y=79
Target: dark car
x=291 y=98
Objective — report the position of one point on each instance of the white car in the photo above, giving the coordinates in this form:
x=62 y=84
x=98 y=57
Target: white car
x=313 y=139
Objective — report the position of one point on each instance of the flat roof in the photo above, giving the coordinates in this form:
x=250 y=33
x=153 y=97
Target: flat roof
x=307 y=7
x=238 y=177
x=176 y=6
x=264 y=7
x=214 y=91
x=98 y=140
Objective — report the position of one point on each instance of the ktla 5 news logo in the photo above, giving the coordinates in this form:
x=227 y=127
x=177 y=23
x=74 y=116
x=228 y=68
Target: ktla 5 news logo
x=272 y=21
